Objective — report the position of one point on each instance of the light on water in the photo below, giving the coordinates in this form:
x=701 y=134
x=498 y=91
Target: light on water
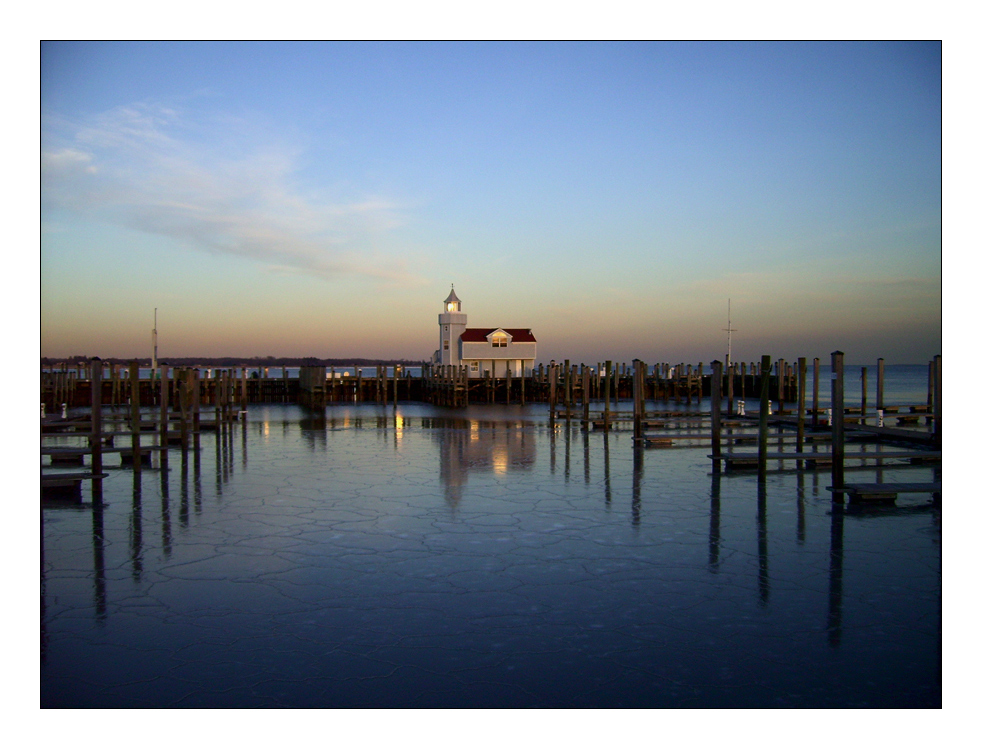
x=364 y=556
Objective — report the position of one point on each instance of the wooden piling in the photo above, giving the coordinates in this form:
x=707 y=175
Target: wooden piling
x=567 y=400
x=765 y=407
x=552 y=392
x=799 y=442
x=815 y=367
x=196 y=409
x=607 y=376
x=135 y=413
x=936 y=426
x=586 y=395
x=879 y=384
x=164 y=414
x=730 y=370
x=862 y=377
x=838 y=427
x=95 y=441
x=716 y=399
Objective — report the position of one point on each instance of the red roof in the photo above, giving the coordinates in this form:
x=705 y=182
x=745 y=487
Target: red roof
x=480 y=335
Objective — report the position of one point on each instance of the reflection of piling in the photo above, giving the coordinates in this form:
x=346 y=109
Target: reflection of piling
x=834 y=623
x=763 y=575
x=714 y=522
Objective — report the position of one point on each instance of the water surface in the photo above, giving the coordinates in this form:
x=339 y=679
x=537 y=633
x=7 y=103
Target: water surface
x=418 y=557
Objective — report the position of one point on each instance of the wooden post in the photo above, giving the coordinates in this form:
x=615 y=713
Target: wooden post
x=184 y=400
x=586 y=394
x=552 y=392
x=196 y=409
x=716 y=398
x=765 y=406
x=838 y=427
x=135 y=413
x=800 y=435
x=164 y=414
x=508 y=383
x=638 y=383
x=879 y=384
x=936 y=427
x=96 y=438
x=566 y=386
x=522 y=365
x=862 y=378
x=815 y=366
x=607 y=376
x=730 y=370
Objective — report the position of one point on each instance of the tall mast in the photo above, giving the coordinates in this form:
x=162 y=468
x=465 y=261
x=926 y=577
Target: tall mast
x=729 y=331
x=153 y=365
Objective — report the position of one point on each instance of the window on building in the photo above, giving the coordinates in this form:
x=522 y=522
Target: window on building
x=499 y=340
x=446 y=328
x=473 y=366
x=446 y=345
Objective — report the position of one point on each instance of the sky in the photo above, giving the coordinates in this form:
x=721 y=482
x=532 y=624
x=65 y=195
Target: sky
x=319 y=199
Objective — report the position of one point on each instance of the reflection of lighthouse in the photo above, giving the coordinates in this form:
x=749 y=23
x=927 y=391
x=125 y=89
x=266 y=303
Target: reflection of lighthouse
x=493 y=447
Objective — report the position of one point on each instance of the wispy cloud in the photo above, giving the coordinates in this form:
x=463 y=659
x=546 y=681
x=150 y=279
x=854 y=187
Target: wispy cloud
x=145 y=167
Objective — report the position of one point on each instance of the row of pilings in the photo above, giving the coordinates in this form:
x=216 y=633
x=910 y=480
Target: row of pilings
x=562 y=385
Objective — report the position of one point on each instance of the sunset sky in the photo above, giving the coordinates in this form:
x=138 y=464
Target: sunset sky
x=289 y=199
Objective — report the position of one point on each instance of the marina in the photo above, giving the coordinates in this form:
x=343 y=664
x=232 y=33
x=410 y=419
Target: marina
x=492 y=555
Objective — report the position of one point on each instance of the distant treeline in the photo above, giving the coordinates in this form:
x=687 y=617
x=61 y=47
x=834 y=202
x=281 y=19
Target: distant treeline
x=238 y=361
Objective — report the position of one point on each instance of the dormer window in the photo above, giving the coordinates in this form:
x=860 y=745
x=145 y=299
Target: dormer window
x=499 y=340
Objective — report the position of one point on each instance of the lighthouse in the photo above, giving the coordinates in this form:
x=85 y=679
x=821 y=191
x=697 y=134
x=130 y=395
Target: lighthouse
x=492 y=351
x=453 y=323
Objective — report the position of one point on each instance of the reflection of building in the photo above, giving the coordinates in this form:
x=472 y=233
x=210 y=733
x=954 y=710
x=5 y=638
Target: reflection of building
x=492 y=350
x=495 y=447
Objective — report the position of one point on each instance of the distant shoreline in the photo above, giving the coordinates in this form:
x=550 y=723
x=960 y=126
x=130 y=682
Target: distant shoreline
x=237 y=361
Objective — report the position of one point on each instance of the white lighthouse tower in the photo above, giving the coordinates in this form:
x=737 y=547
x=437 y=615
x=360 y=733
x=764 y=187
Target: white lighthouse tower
x=453 y=322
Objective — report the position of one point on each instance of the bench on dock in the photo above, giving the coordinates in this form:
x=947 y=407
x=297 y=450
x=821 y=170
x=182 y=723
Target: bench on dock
x=749 y=461
x=887 y=492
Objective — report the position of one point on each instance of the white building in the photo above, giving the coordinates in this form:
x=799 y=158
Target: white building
x=493 y=350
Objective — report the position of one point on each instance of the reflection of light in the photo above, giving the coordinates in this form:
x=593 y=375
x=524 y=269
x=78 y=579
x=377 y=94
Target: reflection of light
x=499 y=459
x=265 y=430
x=475 y=432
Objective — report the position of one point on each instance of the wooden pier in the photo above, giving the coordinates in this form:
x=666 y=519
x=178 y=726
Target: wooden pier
x=189 y=401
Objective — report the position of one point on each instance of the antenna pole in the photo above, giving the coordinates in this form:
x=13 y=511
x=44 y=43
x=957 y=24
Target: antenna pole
x=153 y=366
x=729 y=331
